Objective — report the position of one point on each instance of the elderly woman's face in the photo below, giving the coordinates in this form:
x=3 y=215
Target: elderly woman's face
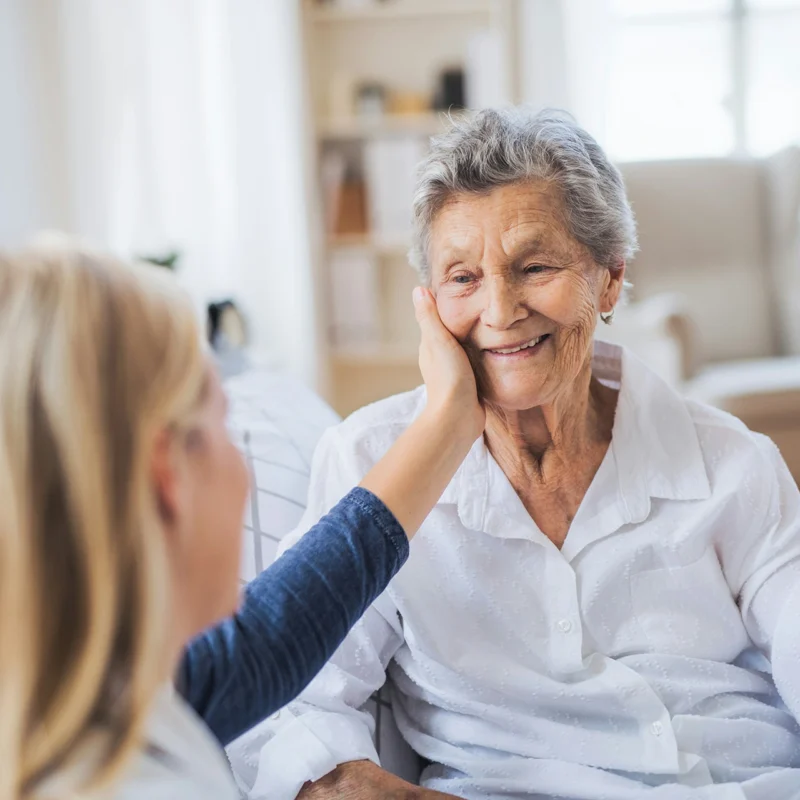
x=518 y=291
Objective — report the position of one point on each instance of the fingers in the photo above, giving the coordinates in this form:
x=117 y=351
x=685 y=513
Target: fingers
x=428 y=315
x=422 y=301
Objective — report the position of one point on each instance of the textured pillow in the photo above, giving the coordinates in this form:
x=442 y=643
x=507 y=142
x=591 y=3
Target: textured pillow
x=276 y=422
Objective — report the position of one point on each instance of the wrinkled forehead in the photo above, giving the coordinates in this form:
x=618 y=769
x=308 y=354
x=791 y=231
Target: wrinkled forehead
x=517 y=218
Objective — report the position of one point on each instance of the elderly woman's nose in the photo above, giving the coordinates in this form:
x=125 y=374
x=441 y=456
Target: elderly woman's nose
x=504 y=304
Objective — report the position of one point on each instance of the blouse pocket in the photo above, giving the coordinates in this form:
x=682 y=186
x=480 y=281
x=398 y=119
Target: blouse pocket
x=689 y=610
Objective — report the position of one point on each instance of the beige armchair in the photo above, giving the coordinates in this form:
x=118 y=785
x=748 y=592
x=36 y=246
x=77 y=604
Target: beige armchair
x=716 y=300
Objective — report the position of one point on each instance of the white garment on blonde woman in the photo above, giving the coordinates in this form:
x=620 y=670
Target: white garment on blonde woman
x=180 y=761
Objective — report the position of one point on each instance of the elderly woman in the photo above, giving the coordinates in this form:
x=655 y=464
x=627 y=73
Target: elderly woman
x=593 y=605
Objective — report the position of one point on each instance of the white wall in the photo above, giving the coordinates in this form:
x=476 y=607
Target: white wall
x=276 y=213
x=141 y=124
x=31 y=177
x=564 y=57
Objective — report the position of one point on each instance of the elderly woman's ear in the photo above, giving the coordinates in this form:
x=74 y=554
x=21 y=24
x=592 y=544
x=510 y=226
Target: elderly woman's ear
x=613 y=281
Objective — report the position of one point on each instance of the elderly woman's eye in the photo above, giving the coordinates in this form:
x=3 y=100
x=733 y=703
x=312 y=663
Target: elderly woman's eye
x=462 y=279
x=535 y=269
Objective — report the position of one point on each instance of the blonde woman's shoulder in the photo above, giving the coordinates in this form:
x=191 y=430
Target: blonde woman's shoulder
x=181 y=761
x=150 y=780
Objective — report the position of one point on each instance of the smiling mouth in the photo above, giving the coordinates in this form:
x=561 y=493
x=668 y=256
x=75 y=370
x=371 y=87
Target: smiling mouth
x=508 y=351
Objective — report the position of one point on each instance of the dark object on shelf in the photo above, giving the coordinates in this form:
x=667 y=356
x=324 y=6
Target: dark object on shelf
x=166 y=260
x=226 y=326
x=450 y=92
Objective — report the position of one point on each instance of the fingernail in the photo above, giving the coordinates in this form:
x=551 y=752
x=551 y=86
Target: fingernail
x=417 y=295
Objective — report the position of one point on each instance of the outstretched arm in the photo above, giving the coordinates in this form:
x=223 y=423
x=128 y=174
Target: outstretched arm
x=293 y=616
x=297 y=612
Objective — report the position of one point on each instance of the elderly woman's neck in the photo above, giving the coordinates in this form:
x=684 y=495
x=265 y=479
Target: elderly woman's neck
x=575 y=427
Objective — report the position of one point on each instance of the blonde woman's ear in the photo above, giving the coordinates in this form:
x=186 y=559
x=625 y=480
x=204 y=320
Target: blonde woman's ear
x=166 y=478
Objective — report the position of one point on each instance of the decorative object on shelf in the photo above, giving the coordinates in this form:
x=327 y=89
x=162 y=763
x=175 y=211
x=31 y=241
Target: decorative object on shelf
x=345 y=194
x=354 y=296
x=371 y=100
x=390 y=166
x=352 y=213
x=166 y=260
x=404 y=102
x=450 y=92
x=225 y=327
x=333 y=168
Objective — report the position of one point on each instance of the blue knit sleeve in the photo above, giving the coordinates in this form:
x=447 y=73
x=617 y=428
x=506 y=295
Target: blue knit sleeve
x=293 y=617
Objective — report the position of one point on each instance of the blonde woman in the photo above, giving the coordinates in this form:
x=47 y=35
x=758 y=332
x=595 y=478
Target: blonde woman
x=121 y=501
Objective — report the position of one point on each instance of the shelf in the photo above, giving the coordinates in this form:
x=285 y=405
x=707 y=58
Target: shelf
x=388 y=247
x=398 y=9
x=427 y=124
x=377 y=356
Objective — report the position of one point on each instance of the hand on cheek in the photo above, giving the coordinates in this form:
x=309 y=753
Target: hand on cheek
x=460 y=321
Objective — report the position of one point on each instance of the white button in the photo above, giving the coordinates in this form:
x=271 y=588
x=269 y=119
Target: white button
x=657 y=728
x=564 y=625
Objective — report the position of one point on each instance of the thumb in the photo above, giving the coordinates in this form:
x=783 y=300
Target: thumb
x=426 y=312
x=421 y=298
x=425 y=306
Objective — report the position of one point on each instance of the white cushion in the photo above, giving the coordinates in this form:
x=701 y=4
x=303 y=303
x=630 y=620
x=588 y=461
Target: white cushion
x=277 y=422
x=765 y=380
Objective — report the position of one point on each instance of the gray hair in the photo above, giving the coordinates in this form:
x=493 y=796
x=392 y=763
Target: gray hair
x=496 y=147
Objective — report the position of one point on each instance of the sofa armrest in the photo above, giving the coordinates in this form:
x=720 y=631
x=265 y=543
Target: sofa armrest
x=764 y=393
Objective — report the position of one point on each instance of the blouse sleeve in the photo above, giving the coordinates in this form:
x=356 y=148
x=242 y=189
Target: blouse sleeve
x=293 y=617
x=769 y=574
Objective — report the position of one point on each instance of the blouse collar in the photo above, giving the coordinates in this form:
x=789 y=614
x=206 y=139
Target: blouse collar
x=654 y=453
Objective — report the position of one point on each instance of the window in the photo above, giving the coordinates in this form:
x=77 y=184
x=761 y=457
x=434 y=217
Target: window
x=704 y=78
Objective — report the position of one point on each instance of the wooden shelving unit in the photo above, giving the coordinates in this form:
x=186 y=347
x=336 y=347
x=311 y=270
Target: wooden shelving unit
x=402 y=45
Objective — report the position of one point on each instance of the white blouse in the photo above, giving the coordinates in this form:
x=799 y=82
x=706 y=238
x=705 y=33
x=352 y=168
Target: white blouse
x=634 y=662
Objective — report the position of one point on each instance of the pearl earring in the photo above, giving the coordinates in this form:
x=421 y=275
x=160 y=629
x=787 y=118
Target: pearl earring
x=608 y=318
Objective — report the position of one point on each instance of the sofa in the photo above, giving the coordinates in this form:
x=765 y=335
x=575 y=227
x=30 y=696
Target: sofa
x=715 y=308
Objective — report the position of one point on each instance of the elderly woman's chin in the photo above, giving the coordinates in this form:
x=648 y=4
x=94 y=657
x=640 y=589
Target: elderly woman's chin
x=516 y=389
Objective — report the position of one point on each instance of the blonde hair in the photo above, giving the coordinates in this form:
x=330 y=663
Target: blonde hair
x=96 y=358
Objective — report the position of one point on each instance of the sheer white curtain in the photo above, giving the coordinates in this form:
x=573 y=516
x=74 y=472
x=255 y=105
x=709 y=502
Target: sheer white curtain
x=566 y=49
x=181 y=123
x=147 y=124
